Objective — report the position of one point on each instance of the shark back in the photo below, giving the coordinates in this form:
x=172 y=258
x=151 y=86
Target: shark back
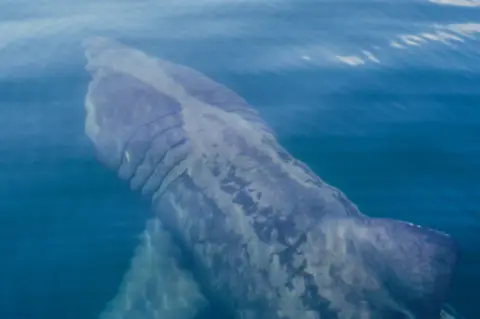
x=269 y=238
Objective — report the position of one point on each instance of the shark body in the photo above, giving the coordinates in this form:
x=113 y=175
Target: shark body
x=269 y=238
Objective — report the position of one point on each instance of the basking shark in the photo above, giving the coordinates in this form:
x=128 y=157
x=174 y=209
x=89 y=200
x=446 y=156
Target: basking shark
x=269 y=239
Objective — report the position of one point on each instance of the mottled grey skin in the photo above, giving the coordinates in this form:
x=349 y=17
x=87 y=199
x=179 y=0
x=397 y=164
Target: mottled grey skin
x=270 y=239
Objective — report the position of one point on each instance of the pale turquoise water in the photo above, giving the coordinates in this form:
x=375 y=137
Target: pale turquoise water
x=393 y=122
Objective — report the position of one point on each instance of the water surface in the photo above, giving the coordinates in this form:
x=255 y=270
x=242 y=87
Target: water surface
x=380 y=98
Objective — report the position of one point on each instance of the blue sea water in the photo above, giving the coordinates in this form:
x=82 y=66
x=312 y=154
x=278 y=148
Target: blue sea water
x=380 y=98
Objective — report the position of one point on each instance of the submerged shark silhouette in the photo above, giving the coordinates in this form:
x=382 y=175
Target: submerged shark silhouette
x=269 y=238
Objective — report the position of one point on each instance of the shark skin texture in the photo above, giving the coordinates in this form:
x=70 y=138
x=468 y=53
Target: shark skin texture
x=269 y=239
